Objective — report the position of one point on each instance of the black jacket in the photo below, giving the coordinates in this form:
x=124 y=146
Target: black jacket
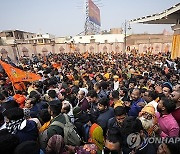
x=112 y=124
x=104 y=116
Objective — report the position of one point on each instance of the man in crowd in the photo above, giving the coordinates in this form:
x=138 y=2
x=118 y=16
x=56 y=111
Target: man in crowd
x=106 y=113
x=54 y=110
x=132 y=129
x=137 y=103
x=101 y=93
x=115 y=85
x=167 y=89
x=82 y=101
x=175 y=96
x=116 y=122
x=113 y=143
x=123 y=93
x=93 y=101
x=148 y=119
x=176 y=87
x=168 y=125
x=115 y=101
x=150 y=98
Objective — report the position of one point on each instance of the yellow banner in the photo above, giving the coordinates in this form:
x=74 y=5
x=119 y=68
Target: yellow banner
x=175 y=47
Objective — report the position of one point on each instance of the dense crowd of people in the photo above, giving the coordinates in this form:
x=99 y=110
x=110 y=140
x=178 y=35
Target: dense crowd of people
x=109 y=103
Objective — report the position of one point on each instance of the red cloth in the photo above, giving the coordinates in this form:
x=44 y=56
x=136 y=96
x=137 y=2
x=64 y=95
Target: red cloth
x=176 y=115
x=20 y=99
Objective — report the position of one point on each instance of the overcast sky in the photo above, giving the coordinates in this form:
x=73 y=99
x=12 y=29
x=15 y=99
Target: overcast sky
x=67 y=17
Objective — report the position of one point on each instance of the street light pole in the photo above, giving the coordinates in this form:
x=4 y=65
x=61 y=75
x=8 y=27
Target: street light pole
x=125 y=26
x=15 y=42
x=125 y=34
x=149 y=45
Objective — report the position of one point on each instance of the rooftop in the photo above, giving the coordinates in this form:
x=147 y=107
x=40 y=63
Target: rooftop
x=16 y=30
x=169 y=16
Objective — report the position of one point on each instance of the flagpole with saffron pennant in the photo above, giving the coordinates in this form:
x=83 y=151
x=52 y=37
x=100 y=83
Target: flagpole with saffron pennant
x=18 y=76
x=13 y=88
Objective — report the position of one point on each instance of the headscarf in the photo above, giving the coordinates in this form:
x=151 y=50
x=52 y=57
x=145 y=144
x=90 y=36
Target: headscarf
x=150 y=110
x=96 y=136
x=55 y=145
x=87 y=149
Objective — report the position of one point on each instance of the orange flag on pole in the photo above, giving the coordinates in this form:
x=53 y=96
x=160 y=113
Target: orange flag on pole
x=85 y=55
x=17 y=75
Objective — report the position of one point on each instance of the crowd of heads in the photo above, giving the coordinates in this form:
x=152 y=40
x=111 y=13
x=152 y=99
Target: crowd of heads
x=110 y=100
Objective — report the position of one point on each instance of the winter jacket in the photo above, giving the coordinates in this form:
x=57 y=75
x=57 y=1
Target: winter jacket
x=29 y=132
x=104 y=116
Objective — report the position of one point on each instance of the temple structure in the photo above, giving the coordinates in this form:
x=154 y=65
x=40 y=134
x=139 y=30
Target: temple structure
x=169 y=16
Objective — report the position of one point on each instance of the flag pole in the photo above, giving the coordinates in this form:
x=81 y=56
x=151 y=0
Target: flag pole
x=13 y=88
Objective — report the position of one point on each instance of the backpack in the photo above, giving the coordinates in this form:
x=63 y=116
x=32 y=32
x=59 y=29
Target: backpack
x=70 y=135
x=43 y=139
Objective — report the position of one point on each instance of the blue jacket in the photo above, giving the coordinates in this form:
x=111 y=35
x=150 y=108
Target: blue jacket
x=34 y=111
x=29 y=132
x=112 y=123
x=103 y=118
x=135 y=109
x=102 y=94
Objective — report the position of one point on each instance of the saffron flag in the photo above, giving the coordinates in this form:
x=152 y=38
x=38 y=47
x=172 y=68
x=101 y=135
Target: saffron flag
x=85 y=55
x=17 y=75
x=57 y=65
x=72 y=46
